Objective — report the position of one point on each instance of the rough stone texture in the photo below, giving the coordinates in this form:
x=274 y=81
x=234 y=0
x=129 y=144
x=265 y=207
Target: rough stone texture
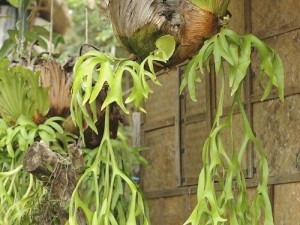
x=277 y=126
x=287 y=204
x=192 y=108
x=190 y=203
x=161 y=103
x=160 y=174
x=156 y=210
x=236 y=8
x=195 y=135
x=173 y=211
x=268 y=15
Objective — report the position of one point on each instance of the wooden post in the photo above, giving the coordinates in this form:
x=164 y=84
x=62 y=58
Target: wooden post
x=248 y=93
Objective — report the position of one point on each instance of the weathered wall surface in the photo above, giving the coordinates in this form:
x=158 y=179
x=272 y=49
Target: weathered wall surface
x=175 y=127
x=287 y=204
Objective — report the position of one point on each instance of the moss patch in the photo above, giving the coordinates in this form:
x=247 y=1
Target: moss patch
x=142 y=42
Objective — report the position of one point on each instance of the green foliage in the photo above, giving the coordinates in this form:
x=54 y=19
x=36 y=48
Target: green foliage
x=100 y=32
x=130 y=156
x=20 y=93
x=22 y=41
x=147 y=34
x=20 y=193
x=18 y=3
x=218 y=7
x=225 y=164
x=22 y=101
x=89 y=81
x=104 y=192
x=38 y=35
x=238 y=59
x=22 y=135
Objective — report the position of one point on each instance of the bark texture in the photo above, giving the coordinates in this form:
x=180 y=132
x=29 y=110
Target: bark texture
x=58 y=174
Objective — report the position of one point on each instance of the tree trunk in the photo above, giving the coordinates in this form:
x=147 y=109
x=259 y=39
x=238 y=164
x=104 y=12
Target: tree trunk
x=59 y=175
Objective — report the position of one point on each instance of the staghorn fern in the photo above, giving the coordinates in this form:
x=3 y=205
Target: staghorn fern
x=105 y=193
x=232 y=204
x=218 y=7
x=21 y=94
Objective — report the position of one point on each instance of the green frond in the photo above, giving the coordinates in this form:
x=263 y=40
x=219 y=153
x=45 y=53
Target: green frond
x=218 y=7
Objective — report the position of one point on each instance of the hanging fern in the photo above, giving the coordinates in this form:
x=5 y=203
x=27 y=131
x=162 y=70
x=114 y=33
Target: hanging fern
x=104 y=193
x=231 y=204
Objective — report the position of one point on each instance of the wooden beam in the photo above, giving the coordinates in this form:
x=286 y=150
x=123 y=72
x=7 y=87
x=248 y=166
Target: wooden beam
x=248 y=92
x=178 y=131
x=256 y=98
x=169 y=122
x=250 y=183
x=276 y=180
x=199 y=117
x=273 y=32
x=171 y=192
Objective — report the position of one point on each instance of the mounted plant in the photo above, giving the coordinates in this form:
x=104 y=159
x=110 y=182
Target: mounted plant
x=39 y=151
x=21 y=94
x=184 y=20
x=40 y=160
x=190 y=22
x=24 y=121
x=105 y=193
x=87 y=177
x=231 y=203
x=34 y=147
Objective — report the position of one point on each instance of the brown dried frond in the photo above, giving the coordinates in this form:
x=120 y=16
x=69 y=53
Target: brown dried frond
x=59 y=82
